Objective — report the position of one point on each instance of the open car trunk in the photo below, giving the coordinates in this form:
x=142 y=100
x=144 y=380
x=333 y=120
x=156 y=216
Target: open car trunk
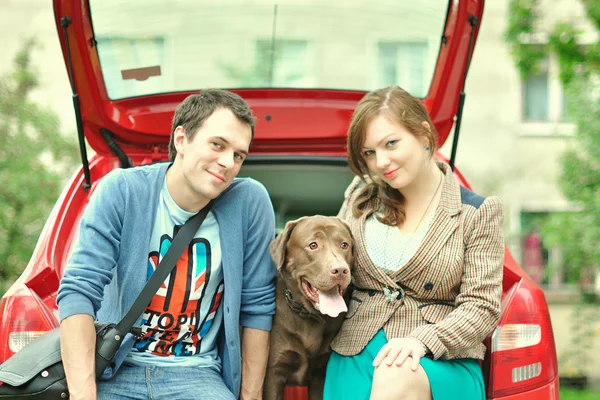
x=301 y=186
x=299 y=66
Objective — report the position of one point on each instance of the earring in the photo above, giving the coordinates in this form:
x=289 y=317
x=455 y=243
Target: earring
x=427 y=148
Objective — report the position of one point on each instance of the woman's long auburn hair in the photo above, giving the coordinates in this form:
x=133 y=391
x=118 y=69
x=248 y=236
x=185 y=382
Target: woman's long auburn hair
x=400 y=107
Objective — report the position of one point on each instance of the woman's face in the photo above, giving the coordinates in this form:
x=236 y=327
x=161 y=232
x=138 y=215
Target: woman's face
x=393 y=153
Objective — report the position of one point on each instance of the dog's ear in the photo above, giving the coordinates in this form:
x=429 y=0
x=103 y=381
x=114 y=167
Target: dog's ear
x=278 y=246
x=348 y=229
x=347 y=226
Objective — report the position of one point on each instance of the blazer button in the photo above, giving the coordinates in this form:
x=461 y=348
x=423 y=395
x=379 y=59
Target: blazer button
x=428 y=286
x=371 y=293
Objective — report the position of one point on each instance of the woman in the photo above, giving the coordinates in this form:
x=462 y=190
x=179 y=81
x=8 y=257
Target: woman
x=428 y=275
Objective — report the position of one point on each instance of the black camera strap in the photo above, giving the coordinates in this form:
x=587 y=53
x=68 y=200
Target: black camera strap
x=182 y=239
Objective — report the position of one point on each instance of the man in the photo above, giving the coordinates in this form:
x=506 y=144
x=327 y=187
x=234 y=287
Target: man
x=190 y=347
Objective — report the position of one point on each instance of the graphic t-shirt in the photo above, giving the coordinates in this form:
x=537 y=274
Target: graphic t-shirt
x=181 y=324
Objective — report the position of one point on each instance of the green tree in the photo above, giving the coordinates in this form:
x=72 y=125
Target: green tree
x=34 y=159
x=577 y=233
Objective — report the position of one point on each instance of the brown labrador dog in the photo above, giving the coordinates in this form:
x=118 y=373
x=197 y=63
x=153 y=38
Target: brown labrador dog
x=314 y=256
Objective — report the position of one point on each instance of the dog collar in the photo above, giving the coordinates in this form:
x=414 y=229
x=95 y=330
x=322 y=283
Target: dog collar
x=298 y=308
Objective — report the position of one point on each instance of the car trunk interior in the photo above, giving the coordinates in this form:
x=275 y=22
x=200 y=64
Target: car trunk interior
x=301 y=186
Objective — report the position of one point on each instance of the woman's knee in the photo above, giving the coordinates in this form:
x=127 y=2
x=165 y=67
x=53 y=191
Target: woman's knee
x=398 y=383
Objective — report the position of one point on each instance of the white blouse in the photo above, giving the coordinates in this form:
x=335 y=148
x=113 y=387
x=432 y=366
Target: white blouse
x=388 y=248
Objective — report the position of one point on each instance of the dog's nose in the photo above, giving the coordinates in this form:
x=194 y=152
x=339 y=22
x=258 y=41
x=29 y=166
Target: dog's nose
x=339 y=271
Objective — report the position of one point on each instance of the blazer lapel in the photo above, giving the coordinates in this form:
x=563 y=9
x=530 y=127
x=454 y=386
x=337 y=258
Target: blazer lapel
x=442 y=226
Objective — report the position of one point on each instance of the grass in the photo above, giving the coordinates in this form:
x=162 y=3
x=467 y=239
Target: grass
x=569 y=394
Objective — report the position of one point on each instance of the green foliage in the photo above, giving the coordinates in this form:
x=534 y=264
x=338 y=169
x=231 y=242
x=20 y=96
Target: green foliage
x=593 y=57
x=521 y=23
x=522 y=16
x=570 y=394
x=571 y=57
x=592 y=8
x=33 y=159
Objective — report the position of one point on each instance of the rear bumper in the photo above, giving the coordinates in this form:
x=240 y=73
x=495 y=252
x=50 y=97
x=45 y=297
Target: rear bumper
x=548 y=392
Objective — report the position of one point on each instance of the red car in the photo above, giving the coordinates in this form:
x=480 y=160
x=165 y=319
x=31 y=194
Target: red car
x=129 y=69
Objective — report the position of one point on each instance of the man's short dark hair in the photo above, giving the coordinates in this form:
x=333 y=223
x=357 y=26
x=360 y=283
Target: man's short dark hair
x=196 y=108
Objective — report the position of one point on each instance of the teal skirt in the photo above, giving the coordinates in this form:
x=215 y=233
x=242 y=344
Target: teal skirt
x=351 y=377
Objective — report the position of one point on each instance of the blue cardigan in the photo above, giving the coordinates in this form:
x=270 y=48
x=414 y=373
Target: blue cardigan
x=107 y=268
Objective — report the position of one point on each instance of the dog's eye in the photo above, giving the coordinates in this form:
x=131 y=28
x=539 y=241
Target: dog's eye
x=345 y=245
x=313 y=245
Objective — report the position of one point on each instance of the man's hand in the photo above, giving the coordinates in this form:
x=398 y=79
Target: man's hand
x=398 y=350
x=255 y=354
x=77 y=346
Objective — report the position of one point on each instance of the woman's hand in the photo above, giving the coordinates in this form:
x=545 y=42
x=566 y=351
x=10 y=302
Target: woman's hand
x=398 y=350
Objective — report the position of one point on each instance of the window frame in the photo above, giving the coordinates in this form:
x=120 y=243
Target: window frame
x=557 y=124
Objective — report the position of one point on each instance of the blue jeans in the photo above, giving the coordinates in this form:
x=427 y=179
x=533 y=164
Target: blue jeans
x=162 y=383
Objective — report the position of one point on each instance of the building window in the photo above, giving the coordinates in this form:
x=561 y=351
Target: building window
x=535 y=97
x=543 y=96
x=564 y=111
x=119 y=55
x=403 y=64
x=285 y=63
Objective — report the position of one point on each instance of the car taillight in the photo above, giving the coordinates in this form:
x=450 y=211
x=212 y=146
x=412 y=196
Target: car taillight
x=522 y=352
x=23 y=317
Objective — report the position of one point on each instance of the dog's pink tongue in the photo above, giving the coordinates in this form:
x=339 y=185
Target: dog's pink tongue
x=331 y=303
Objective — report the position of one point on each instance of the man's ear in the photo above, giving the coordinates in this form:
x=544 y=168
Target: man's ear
x=179 y=139
x=278 y=246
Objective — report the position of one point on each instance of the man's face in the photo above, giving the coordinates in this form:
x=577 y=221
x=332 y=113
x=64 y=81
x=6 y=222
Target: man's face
x=214 y=155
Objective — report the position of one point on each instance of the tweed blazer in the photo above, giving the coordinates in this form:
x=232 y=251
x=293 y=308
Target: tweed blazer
x=447 y=296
